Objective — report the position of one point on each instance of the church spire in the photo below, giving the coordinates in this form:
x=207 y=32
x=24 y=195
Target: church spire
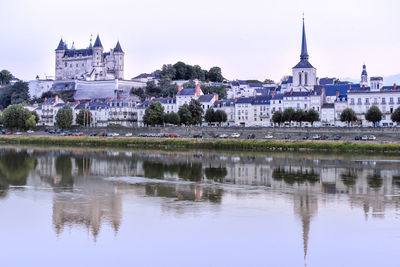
x=304 y=52
x=60 y=45
x=97 y=43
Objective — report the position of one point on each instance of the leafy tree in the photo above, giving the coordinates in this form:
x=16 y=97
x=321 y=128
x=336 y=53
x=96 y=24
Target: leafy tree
x=299 y=116
x=185 y=114
x=154 y=114
x=348 y=115
x=312 y=116
x=152 y=89
x=139 y=92
x=215 y=75
x=189 y=84
x=167 y=72
x=277 y=117
x=84 y=117
x=64 y=117
x=15 y=116
x=20 y=93
x=167 y=88
x=373 y=115
x=220 y=116
x=253 y=81
x=395 y=117
x=220 y=90
x=196 y=110
x=180 y=69
x=36 y=116
x=210 y=115
x=5 y=77
x=288 y=115
x=30 y=122
x=172 y=118
x=67 y=95
x=269 y=81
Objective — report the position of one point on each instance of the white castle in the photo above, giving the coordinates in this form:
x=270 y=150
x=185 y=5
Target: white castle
x=90 y=64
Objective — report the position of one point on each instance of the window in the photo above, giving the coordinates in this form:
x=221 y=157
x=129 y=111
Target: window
x=306 y=78
x=383 y=100
x=391 y=100
x=299 y=78
x=352 y=101
x=359 y=101
x=375 y=100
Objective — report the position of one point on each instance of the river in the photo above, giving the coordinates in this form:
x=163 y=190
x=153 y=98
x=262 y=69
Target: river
x=82 y=207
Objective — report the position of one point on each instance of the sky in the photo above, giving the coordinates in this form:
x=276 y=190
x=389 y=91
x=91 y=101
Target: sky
x=252 y=39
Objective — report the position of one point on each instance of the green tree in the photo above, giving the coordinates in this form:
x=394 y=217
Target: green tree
x=220 y=116
x=197 y=111
x=30 y=122
x=373 y=115
x=312 y=116
x=395 y=117
x=64 y=117
x=185 y=114
x=269 y=81
x=20 y=93
x=5 y=77
x=215 y=75
x=84 y=117
x=15 y=116
x=209 y=116
x=154 y=114
x=36 y=116
x=138 y=92
x=277 y=117
x=288 y=115
x=348 y=115
x=299 y=116
x=172 y=118
x=220 y=90
x=190 y=84
x=152 y=89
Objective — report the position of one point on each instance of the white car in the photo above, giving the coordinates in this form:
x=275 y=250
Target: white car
x=316 y=137
x=128 y=134
x=235 y=135
x=115 y=134
x=364 y=138
x=30 y=131
x=371 y=137
x=268 y=136
x=18 y=133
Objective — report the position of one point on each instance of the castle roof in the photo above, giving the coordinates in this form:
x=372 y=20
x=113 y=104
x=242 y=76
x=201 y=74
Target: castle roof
x=61 y=45
x=118 y=48
x=97 y=43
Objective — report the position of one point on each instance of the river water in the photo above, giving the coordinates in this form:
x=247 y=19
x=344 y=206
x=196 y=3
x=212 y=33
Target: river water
x=77 y=207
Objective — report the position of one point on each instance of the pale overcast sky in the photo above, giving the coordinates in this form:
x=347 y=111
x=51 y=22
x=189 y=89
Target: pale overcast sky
x=247 y=39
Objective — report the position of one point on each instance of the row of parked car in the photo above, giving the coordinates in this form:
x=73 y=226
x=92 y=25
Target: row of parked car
x=158 y=135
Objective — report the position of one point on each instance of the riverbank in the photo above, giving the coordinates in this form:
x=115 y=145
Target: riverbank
x=228 y=144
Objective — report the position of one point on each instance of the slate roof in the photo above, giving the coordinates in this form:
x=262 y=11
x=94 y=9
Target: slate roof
x=327 y=81
x=118 y=48
x=78 y=52
x=166 y=100
x=289 y=80
x=244 y=100
x=258 y=85
x=224 y=103
x=330 y=90
x=296 y=94
x=328 y=105
x=303 y=64
x=206 y=98
x=97 y=43
x=187 y=91
x=262 y=100
x=60 y=45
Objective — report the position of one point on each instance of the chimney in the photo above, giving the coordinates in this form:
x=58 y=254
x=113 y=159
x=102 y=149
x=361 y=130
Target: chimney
x=337 y=93
x=291 y=92
x=56 y=101
x=235 y=100
x=120 y=99
x=284 y=92
x=273 y=94
x=394 y=86
x=78 y=102
x=363 y=87
x=45 y=99
x=323 y=90
x=198 y=89
x=216 y=97
x=111 y=99
x=180 y=87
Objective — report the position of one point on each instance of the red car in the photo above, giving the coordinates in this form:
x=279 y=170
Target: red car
x=173 y=135
x=78 y=134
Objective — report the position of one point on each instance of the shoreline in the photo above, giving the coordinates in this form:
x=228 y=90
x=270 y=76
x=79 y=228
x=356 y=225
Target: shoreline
x=227 y=144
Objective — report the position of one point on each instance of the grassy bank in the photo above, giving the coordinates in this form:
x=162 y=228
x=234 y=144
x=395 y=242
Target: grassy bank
x=166 y=143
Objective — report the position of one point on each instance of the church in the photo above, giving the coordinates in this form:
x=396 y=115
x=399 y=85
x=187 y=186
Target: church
x=89 y=64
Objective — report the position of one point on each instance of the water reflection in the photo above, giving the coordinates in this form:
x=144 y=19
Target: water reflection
x=83 y=198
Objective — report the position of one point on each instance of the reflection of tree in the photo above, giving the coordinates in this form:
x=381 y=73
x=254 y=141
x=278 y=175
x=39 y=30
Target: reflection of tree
x=396 y=180
x=295 y=176
x=64 y=169
x=191 y=171
x=83 y=164
x=375 y=181
x=14 y=168
x=349 y=178
x=216 y=174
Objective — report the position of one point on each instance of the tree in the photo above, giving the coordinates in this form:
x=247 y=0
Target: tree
x=209 y=116
x=154 y=114
x=373 y=115
x=189 y=84
x=288 y=115
x=5 y=77
x=15 y=116
x=299 y=116
x=138 y=92
x=185 y=114
x=396 y=115
x=269 y=81
x=348 y=115
x=312 y=116
x=20 y=93
x=277 y=117
x=220 y=116
x=197 y=111
x=152 y=89
x=215 y=75
x=30 y=122
x=36 y=116
x=172 y=118
x=220 y=90
x=84 y=117
x=64 y=117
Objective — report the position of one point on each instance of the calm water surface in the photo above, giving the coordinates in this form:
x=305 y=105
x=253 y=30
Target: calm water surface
x=199 y=208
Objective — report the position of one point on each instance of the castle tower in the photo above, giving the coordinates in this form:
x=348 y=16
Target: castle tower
x=304 y=74
x=60 y=50
x=364 y=77
x=119 y=61
x=98 y=61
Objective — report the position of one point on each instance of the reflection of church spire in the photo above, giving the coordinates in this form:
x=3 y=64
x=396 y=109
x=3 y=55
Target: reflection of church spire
x=306 y=231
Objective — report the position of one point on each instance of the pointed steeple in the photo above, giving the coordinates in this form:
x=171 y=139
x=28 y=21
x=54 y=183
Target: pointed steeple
x=60 y=45
x=118 y=48
x=73 y=46
x=90 y=45
x=97 y=43
x=304 y=52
